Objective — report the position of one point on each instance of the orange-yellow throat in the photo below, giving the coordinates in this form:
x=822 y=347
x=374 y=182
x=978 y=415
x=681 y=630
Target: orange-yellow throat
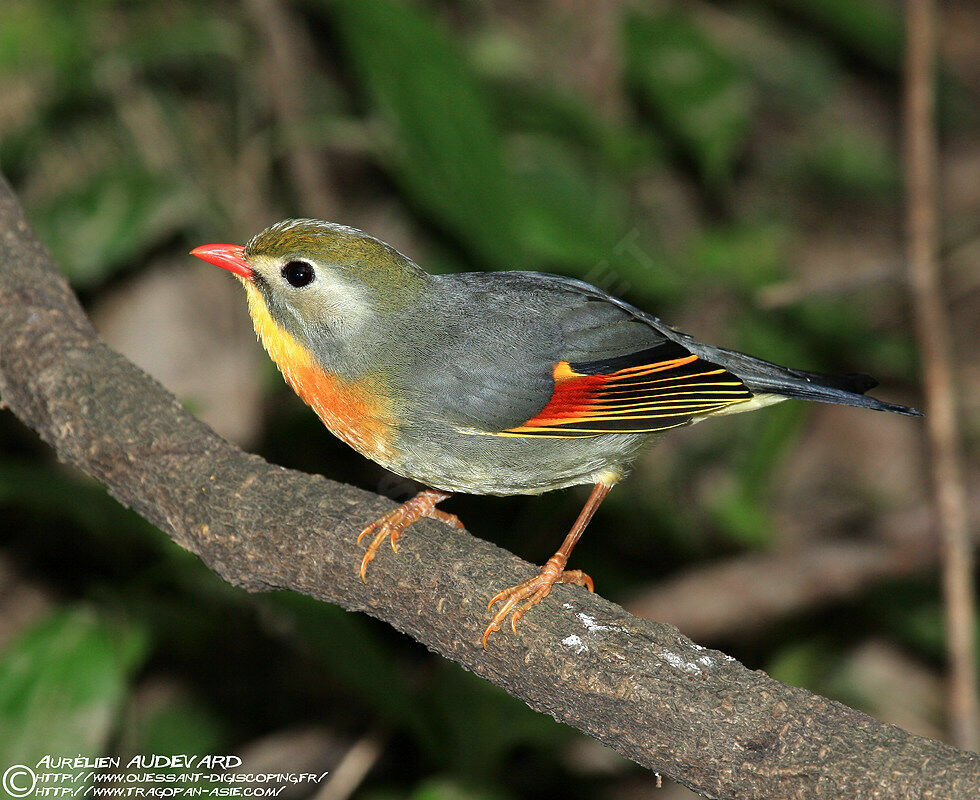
x=350 y=409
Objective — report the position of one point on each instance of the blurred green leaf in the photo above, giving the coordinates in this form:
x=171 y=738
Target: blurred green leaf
x=843 y=330
x=446 y=151
x=475 y=743
x=872 y=28
x=54 y=493
x=921 y=623
x=178 y=725
x=43 y=34
x=778 y=426
x=696 y=91
x=742 y=516
x=840 y=161
x=108 y=220
x=532 y=109
x=568 y=216
x=743 y=512
x=363 y=665
x=196 y=35
x=444 y=148
x=748 y=255
x=62 y=684
x=802 y=663
x=794 y=69
x=572 y=220
x=165 y=719
x=447 y=789
x=768 y=336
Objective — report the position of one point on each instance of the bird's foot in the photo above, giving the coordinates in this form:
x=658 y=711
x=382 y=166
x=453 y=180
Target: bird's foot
x=392 y=524
x=531 y=592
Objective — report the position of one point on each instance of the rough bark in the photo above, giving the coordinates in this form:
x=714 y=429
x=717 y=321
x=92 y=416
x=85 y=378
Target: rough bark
x=640 y=687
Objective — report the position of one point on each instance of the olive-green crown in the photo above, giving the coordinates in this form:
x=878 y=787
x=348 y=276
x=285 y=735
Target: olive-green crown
x=377 y=264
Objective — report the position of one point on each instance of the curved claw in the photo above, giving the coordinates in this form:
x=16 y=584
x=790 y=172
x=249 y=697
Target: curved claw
x=532 y=591
x=367 y=530
x=393 y=524
x=389 y=527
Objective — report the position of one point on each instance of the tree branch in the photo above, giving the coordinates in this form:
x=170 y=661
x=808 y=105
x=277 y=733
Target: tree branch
x=638 y=686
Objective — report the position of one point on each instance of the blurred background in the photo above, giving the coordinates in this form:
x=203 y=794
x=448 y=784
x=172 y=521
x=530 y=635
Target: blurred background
x=733 y=167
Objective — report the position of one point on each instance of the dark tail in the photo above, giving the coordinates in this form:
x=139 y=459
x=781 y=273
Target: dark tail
x=764 y=377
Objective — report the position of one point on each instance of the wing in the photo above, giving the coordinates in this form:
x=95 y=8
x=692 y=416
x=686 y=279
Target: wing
x=660 y=387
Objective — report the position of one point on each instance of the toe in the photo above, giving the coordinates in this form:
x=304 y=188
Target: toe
x=498 y=597
x=368 y=557
x=519 y=599
x=447 y=519
x=577 y=577
x=367 y=531
x=499 y=617
x=491 y=628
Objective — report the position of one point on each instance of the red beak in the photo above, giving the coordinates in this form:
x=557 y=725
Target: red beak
x=227 y=256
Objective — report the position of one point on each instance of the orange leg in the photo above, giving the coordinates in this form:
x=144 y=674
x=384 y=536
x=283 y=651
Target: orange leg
x=392 y=524
x=534 y=590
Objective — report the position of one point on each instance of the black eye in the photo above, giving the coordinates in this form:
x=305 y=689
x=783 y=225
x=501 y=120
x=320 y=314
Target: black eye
x=298 y=273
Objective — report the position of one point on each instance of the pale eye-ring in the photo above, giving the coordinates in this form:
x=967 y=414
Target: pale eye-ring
x=298 y=273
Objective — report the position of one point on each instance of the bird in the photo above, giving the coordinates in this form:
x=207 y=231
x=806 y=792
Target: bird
x=491 y=383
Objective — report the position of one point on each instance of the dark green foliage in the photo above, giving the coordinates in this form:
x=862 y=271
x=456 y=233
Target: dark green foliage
x=695 y=89
x=441 y=141
x=63 y=683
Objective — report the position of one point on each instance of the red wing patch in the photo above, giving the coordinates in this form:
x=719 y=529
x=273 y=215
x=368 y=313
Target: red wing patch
x=663 y=387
